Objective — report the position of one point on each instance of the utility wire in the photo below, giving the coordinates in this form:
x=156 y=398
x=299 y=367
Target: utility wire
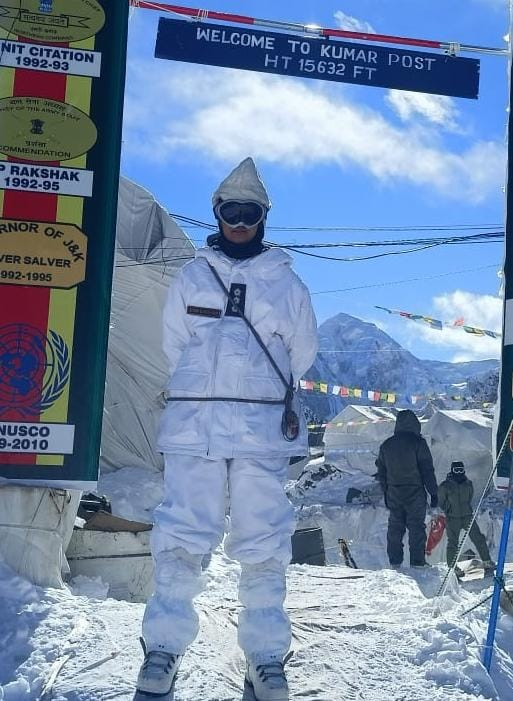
x=453 y=240
x=471 y=238
x=159 y=261
x=368 y=350
x=406 y=280
x=448 y=227
x=422 y=227
x=351 y=259
x=360 y=258
x=195 y=223
x=371 y=257
x=420 y=244
x=427 y=243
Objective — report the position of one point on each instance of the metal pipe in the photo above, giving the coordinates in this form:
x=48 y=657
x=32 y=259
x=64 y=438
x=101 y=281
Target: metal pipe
x=199 y=15
x=494 y=609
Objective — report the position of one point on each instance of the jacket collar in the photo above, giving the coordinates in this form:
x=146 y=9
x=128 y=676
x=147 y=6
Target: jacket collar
x=265 y=263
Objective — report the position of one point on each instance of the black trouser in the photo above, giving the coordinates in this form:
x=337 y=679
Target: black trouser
x=454 y=526
x=407 y=505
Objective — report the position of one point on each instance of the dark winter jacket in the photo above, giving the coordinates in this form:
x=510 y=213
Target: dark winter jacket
x=455 y=497
x=405 y=458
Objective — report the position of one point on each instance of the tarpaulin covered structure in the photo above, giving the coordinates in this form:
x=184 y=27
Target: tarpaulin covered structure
x=151 y=248
x=353 y=437
x=352 y=440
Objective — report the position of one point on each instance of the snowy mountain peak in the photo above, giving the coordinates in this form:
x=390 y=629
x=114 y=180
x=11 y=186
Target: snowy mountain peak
x=356 y=353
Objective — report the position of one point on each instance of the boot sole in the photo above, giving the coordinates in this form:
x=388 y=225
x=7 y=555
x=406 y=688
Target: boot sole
x=142 y=695
x=249 y=692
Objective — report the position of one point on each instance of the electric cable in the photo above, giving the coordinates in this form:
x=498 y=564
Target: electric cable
x=162 y=261
x=359 y=258
x=471 y=238
x=406 y=280
x=456 y=240
x=422 y=227
x=445 y=227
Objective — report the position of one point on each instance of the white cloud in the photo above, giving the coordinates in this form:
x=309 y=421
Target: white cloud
x=352 y=24
x=225 y=114
x=481 y=311
x=484 y=311
x=437 y=109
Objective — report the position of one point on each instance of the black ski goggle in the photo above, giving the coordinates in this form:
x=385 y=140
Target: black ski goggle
x=234 y=213
x=457 y=470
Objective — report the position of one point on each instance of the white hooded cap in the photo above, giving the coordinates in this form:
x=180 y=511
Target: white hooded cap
x=243 y=184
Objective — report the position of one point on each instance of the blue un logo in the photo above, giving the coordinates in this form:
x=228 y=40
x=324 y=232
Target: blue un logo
x=34 y=369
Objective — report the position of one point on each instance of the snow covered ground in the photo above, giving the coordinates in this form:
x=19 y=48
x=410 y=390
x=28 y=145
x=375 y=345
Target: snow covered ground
x=370 y=634
x=379 y=637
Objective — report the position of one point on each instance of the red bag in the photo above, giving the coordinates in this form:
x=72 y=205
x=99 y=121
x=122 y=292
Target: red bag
x=436 y=531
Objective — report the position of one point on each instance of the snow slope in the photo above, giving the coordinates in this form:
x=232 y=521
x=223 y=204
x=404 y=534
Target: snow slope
x=374 y=638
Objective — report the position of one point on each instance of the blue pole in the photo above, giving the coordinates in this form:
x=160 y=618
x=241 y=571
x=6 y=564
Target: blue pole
x=494 y=610
x=504 y=464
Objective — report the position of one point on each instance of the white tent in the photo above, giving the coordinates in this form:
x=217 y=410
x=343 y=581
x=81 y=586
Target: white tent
x=151 y=248
x=36 y=522
x=352 y=440
x=353 y=437
x=464 y=435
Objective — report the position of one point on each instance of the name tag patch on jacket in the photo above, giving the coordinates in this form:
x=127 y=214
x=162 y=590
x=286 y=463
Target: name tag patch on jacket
x=238 y=294
x=204 y=311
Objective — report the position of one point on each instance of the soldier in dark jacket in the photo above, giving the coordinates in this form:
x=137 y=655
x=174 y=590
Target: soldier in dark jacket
x=406 y=473
x=455 y=499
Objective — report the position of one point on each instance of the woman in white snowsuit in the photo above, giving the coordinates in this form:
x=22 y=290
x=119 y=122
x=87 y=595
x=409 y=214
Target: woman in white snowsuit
x=222 y=427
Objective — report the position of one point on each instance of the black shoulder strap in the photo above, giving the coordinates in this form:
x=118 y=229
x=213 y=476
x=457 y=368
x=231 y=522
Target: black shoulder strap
x=233 y=301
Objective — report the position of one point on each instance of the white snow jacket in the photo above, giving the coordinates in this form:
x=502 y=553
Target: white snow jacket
x=212 y=353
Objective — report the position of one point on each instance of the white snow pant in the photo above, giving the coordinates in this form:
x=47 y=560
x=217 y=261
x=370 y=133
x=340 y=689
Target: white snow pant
x=190 y=523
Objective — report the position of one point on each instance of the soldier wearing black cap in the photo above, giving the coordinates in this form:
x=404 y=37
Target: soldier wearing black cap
x=455 y=499
x=406 y=475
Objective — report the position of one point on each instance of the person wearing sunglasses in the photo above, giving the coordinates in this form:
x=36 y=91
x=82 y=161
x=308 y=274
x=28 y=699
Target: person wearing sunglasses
x=455 y=496
x=239 y=333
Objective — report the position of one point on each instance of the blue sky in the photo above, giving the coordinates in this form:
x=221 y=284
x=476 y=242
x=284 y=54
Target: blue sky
x=340 y=155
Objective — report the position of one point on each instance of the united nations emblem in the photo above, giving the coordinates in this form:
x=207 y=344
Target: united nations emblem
x=34 y=369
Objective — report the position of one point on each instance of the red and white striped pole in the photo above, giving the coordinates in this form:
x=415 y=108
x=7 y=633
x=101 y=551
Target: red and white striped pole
x=199 y=15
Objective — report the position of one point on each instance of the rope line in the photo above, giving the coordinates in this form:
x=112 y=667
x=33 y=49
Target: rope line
x=502 y=585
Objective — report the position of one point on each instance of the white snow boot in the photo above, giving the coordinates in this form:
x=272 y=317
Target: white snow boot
x=158 y=672
x=268 y=681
